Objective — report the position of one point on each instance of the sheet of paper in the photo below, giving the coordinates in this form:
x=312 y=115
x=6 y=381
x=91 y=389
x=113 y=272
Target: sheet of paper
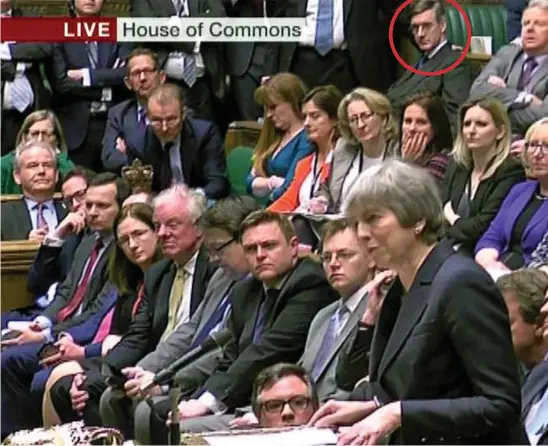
x=19 y=325
x=482 y=44
x=302 y=437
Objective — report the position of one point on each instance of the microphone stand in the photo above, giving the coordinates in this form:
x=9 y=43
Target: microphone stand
x=174 y=434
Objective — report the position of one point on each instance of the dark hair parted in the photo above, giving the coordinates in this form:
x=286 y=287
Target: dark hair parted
x=271 y=375
x=262 y=216
x=123 y=273
x=442 y=139
x=228 y=214
x=327 y=98
x=79 y=172
x=122 y=186
x=419 y=6
x=333 y=227
x=138 y=52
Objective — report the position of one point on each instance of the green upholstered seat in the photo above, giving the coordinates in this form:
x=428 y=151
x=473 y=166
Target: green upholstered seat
x=238 y=165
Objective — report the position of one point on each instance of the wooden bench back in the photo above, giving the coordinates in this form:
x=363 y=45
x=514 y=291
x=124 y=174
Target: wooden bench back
x=16 y=257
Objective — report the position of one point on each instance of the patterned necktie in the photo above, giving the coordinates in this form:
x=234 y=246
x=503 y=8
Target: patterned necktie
x=527 y=73
x=82 y=288
x=324 y=27
x=41 y=222
x=269 y=299
x=328 y=341
x=93 y=54
x=142 y=114
x=189 y=72
x=176 y=297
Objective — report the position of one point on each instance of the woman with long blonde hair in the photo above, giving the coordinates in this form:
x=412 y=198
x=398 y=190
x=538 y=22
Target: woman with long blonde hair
x=283 y=141
x=481 y=173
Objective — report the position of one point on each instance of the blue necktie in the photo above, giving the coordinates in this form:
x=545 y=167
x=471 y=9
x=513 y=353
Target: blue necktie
x=270 y=297
x=421 y=62
x=328 y=341
x=324 y=27
x=214 y=320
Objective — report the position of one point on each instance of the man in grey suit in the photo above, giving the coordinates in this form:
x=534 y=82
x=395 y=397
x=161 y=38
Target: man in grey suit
x=518 y=75
x=220 y=225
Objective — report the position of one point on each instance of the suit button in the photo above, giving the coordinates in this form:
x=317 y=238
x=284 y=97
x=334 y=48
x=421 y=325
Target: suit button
x=423 y=440
x=442 y=439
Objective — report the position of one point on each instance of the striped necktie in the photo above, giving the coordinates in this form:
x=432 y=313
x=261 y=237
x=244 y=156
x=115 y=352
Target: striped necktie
x=93 y=54
x=41 y=222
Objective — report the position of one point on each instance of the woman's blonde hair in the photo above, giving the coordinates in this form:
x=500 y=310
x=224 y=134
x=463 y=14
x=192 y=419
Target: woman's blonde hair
x=500 y=151
x=377 y=103
x=43 y=115
x=283 y=87
x=532 y=129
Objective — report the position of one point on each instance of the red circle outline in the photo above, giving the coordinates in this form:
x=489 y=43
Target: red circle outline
x=430 y=73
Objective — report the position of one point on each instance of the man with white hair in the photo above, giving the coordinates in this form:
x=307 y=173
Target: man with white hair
x=35 y=170
x=517 y=74
x=173 y=290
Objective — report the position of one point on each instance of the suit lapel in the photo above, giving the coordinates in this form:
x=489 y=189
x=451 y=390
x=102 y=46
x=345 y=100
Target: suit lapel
x=515 y=69
x=60 y=210
x=311 y=353
x=161 y=301
x=301 y=8
x=458 y=187
x=538 y=217
x=104 y=51
x=200 y=278
x=165 y=7
x=347 y=5
x=188 y=149
x=536 y=381
x=253 y=299
x=414 y=303
x=539 y=75
x=22 y=219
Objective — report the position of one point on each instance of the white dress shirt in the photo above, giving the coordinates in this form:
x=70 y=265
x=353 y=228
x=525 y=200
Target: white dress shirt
x=308 y=37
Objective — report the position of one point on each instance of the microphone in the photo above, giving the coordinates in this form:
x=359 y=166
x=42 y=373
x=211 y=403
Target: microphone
x=214 y=340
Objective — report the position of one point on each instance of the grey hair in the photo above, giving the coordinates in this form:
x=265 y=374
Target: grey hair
x=542 y=4
x=407 y=190
x=31 y=144
x=195 y=200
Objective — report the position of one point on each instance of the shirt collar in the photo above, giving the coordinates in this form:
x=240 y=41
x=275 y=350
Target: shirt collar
x=539 y=59
x=48 y=204
x=190 y=266
x=436 y=50
x=277 y=285
x=353 y=301
x=105 y=238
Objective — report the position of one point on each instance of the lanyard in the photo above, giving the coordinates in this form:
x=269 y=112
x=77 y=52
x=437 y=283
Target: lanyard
x=316 y=174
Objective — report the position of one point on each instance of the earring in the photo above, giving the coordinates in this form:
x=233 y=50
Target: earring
x=417 y=231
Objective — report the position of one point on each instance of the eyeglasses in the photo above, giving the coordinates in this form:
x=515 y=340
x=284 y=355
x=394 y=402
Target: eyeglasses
x=136 y=236
x=354 y=121
x=297 y=404
x=146 y=71
x=35 y=134
x=217 y=250
x=171 y=121
x=77 y=196
x=341 y=256
x=533 y=146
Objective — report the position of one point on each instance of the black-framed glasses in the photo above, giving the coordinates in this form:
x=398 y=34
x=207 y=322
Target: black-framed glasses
x=217 y=250
x=364 y=118
x=297 y=404
x=147 y=72
x=533 y=146
x=77 y=196
x=341 y=256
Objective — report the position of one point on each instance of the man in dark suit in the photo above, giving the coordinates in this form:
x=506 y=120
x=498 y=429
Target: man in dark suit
x=328 y=55
x=181 y=148
x=197 y=67
x=271 y=315
x=429 y=27
x=220 y=225
x=524 y=292
x=76 y=300
x=174 y=289
x=518 y=74
x=127 y=121
x=36 y=213
x=87 y=79
x=52 y=264
x=249 y=62
x=22 y=87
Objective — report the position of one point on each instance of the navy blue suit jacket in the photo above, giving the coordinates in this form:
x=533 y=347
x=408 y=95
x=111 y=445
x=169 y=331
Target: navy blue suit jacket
x=202 y=156
x=535 y=385
x=122 y=123
x=71 y=100
x=51 y=265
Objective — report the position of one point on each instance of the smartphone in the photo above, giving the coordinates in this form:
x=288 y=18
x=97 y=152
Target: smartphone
x=49 y=349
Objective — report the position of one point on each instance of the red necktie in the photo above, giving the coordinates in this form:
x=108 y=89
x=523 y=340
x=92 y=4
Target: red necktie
x=82 y=288
x=104 y=328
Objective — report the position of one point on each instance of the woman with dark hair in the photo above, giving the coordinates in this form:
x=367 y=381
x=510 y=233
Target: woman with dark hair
x=136 y=250
x=426 y=134
x=283 y=141
x=319 y=108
